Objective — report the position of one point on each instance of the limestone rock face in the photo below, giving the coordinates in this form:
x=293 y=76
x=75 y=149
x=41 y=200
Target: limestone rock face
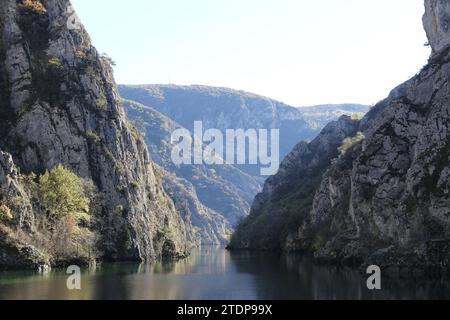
x=12 y=188
x=436 y=22
x=392 y=188
x=59 y=105
x=15 y=254
x=385 y=198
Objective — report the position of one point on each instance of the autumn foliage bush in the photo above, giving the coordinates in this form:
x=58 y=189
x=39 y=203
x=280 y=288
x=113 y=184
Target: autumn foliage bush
x=63 y=205
x=33 y=6
x=5 y=213
x=63 y=197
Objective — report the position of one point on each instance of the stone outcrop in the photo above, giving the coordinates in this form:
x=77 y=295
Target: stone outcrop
x=385 y=198
x=12 y=189
x=436 y=22
x=59 y=105
x=15 y=254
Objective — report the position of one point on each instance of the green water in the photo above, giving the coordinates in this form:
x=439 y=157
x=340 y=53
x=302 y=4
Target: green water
x=214 y=273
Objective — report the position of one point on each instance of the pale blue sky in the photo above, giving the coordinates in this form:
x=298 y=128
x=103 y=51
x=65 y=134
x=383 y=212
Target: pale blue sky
x=302 y=52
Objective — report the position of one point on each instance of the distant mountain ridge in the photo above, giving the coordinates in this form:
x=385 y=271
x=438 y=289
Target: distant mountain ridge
x=320 y=115
x=223 y=108
x=218 y=196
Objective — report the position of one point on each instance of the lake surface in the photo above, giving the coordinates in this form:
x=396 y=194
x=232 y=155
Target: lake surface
x=214 y=273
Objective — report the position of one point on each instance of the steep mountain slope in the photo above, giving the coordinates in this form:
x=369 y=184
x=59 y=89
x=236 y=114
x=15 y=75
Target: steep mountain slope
x=222 y=189
x=59 y=105
x=385 y=198
x=288 y=196
x=209 y=226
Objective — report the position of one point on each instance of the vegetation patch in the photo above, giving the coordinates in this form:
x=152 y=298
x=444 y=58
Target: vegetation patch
x=349 y=143
x=135 y=184
x=61 y=193
x=5 y=213
x=134 y=132
x=54 y=62
x=102 y=103
x=33 y=6
x=93 y=137
x=64 y=207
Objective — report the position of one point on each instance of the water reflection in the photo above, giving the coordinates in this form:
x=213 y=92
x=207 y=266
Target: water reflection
x=214 y=273
x=297 y=277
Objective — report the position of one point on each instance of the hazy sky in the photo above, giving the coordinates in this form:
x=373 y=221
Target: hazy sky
x=302 y=52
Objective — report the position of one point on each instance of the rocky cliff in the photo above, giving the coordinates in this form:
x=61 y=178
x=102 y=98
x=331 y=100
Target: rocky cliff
x=60 y=105
x=436 y=23
x=384 y=198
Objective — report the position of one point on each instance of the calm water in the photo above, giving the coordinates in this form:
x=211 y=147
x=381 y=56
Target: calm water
x=214 y=273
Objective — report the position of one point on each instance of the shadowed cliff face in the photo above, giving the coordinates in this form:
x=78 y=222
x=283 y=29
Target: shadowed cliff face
x=59 y=105
x=385 y=198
